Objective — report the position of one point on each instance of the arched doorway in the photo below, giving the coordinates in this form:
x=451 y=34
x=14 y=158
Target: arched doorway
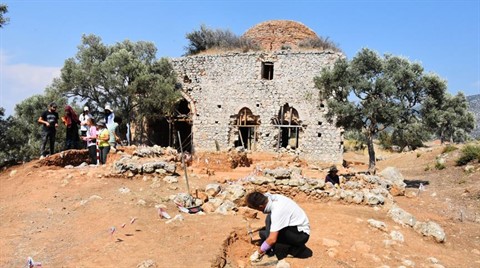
x=182 y=123
x=247 y=124
x=164 y=131
x=289 y=127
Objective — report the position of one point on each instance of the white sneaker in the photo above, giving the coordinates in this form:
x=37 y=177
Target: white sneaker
x=282 y=264
x=42 y=157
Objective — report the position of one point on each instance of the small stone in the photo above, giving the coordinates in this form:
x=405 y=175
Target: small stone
x=389 y=243
x=332 y=252
x=377 y=224
x=124 y=190
x=361 y=246
x=282 y=264
x=408 y=263
x=397 y=236
x=177 y=217
x=147 y=264
x=330 y=243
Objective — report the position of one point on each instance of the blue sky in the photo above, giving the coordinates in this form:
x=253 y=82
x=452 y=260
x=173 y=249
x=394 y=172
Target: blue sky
x=444 y=36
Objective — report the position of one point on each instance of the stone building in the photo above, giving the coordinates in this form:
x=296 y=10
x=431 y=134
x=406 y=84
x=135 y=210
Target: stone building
x=263 y=100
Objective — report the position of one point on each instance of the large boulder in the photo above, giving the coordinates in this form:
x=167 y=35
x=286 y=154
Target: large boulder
x=394 y=176
x=401 y=216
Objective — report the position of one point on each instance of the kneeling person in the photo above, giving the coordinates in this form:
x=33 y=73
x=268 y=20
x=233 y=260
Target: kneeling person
x=287 y=228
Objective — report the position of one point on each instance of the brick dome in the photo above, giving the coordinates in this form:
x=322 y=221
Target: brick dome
x=275 y=34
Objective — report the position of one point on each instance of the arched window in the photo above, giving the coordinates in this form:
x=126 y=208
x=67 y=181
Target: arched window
x=247 y=124
x=289 y=127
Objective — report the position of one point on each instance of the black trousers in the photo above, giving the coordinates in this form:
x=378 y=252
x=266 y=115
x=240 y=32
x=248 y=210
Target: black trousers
x=48 y=136
x=289 y=240
x=92 y=152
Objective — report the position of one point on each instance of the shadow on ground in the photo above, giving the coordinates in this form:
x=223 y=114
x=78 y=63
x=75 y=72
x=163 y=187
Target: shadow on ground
x=415 y=183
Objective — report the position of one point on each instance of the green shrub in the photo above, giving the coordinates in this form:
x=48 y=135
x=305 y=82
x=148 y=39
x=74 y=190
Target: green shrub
x=469 y=153
x=385 y=140
x=206 y=38
x=319 y=43
x=354 y=140
x=439 y=166
x=449 y=148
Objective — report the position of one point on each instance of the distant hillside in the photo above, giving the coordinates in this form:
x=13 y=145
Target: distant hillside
x=474 y=103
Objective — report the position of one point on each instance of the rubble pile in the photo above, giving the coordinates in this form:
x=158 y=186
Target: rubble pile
x=66 y=158
x=356 y=188
x=154 y=151
x=238 y=158
x=132 y=165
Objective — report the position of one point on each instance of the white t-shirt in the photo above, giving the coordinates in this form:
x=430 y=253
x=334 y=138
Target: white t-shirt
x=285 y=212
x=83 y=121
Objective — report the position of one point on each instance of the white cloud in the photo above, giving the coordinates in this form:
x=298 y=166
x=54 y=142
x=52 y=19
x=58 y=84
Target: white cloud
x=22 y=80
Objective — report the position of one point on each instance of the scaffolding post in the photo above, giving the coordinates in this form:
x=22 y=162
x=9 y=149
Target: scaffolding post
x=183 y=162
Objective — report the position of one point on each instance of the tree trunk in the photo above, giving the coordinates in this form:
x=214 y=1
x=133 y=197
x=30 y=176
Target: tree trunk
x=371 y=154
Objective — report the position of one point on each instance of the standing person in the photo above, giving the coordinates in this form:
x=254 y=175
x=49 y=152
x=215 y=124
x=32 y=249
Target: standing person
x=91 y=140
x=83 y=124
x=113 y=132
x=103 y=137
x=332 y=176
x=109 y=115
x=49 y=120
x=287 y=228
x=71 y=121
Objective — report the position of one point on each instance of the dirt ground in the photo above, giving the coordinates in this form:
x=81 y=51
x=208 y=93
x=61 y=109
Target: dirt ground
x=85 y=217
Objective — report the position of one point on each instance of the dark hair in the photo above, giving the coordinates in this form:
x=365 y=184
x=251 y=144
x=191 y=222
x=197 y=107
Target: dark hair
x=256 y=199
x=52 y=105
x=333 y=169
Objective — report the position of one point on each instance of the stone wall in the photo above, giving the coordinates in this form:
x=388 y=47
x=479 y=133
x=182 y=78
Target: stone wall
x=219 y=86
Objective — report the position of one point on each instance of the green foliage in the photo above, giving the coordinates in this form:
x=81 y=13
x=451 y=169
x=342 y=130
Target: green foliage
x=385 y=140
x=354 y=141
x=410 y=135
x=449 y=148
x=3 y=10
x=439 y=165
x=22 y=138
x=449 y=117
x=319 y=43
x=8 y=143
x=469 y=153
x=385 y=90
x=206 y=38
x=126 y=75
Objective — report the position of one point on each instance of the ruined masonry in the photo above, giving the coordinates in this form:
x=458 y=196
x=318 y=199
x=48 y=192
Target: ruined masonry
x=262 y=101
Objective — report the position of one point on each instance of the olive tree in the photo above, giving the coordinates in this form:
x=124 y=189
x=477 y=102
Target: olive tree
x=449 y=117
x=126 y=75
x=372 y=93
x=3 y=10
